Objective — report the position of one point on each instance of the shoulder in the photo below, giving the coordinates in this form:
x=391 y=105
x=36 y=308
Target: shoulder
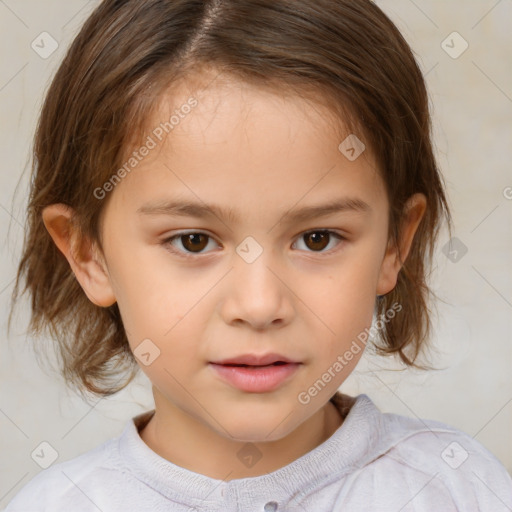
x=62 y=485
x=434 y=462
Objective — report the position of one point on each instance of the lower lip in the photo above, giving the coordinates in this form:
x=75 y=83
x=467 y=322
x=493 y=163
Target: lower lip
x=256 y=379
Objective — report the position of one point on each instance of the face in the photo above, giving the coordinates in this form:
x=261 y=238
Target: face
x=253 y=277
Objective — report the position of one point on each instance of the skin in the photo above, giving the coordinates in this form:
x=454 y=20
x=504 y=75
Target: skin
x=261 y=155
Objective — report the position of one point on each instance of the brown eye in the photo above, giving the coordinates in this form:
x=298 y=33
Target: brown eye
x=194 y=242
x=188 y=244
x=317 y=241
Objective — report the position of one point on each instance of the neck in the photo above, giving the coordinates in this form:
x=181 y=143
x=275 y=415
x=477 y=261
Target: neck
x=188 y=443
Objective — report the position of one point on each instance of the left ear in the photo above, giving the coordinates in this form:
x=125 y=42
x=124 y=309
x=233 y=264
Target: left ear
x=414 y=210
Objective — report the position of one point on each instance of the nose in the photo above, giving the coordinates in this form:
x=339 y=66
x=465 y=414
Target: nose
x=257 y=293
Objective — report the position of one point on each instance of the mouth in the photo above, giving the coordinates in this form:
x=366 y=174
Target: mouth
x=255 y=360
x=252 y=378
x=252 y=366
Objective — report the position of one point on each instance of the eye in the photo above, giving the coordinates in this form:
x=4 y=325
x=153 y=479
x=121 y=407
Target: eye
x=319 y=239
x=193 y=242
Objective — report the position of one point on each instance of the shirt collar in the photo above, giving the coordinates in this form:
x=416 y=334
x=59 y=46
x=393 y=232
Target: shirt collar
x=349 y=447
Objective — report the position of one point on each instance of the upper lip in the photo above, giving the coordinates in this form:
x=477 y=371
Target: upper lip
x=256 y=360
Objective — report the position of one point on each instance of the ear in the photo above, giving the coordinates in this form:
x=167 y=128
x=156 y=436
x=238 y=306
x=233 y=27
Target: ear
x=414 y=210
x=83 y=256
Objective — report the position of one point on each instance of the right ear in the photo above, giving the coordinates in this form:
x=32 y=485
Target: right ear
x=83 y=256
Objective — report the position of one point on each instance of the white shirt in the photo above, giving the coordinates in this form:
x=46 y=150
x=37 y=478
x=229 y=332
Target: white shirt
x=373 y=462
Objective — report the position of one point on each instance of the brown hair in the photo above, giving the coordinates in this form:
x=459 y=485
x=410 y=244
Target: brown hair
x=344 y=53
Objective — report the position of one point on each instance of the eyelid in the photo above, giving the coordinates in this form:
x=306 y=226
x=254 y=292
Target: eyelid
x=167 y=241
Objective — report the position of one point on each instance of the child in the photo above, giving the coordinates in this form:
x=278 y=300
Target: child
x=221 y=189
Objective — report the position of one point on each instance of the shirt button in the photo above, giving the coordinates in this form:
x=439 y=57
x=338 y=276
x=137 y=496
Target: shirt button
x=271 y=506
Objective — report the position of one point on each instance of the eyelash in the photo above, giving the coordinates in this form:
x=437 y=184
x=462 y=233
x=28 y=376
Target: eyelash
x=168 y=242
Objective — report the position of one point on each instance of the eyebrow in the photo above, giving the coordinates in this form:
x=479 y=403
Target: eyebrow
x=201 y=210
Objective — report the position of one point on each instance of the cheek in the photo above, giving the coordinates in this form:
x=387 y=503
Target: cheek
x=154 y=297
x=341 y=308
x=344 y=299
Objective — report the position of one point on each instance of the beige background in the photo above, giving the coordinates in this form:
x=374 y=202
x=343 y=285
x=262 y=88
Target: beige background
x=472 y=107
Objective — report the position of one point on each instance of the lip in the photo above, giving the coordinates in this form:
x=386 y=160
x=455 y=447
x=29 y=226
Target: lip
x=255 y=359
x=256 y=379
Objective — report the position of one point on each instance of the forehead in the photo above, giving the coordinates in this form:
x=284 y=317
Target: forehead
x=221 y=140
x=222 y=99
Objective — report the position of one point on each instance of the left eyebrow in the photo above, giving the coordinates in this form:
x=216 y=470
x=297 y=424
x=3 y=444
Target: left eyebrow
x=201 y=210
x=344 y=204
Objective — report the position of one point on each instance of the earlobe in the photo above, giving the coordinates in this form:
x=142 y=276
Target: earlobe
x=83 y=258
x=415 y=208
